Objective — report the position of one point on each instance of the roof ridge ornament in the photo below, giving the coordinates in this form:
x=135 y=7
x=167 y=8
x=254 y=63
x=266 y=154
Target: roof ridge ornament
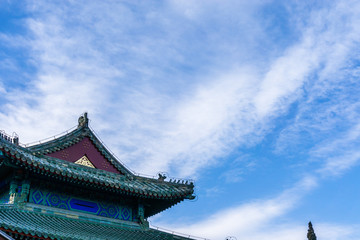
x=13 y=139
x=83 y=120
x=162 y=176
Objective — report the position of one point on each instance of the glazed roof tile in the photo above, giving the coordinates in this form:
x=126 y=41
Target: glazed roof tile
x=128 y=184
x=42 y=225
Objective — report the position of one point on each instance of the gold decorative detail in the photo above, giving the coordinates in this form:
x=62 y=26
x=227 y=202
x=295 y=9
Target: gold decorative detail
x=85 y=162
x=86 y=144
x=65 y=154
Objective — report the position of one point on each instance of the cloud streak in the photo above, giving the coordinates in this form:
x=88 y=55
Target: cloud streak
x=178 y=86
x=246 y=219
x=219 y=111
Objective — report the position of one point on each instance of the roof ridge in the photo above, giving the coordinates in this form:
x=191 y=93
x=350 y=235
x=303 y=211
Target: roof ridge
x=48 y=139
x=75 y=136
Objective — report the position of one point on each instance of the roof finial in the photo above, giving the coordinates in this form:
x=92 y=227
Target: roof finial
x=311 y=234
x=83 y=120
x=162 y=176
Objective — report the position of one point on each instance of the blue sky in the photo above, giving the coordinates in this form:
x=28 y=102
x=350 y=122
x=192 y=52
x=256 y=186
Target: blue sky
x=257 y=101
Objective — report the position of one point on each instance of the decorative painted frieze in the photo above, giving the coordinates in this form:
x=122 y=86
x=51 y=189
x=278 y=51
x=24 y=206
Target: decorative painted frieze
x=57 y=200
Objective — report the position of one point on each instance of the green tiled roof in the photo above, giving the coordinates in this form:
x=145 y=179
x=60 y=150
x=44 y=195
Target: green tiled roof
x=43 y=225
x=5 y=236
x=97 y=178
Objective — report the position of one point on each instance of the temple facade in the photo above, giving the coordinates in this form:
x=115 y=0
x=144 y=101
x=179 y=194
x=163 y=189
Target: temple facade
x=72 y=187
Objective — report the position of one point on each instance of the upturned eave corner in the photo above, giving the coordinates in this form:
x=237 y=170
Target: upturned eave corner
x=191 y=196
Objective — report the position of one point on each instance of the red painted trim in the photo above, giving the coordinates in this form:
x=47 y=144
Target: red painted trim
x=85 y=147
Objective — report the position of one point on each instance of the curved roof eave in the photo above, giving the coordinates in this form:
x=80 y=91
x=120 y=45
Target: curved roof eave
x=127 y=184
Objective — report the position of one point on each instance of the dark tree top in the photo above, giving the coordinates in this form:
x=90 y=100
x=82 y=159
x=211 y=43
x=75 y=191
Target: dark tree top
x=311 y=234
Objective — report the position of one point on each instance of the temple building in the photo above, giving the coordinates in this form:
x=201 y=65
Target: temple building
x=73 y=187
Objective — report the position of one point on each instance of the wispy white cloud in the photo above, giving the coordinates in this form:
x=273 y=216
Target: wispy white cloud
x=298 y=232
x=8 y=64
x=263 y=218
x=339 y=155
x=2 y=89
x=246 y=219
x=337 y=231
x=79 y=70
x=187 y=120
x=258 y=219
x=282 y=84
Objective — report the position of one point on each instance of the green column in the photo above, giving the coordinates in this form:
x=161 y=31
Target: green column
x=13 y=191
x=14 y=186
x=141 y=215
x=25 y=190
x=141 y=211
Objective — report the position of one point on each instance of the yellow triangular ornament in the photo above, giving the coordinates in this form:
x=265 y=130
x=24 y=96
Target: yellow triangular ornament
x=85 y=162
